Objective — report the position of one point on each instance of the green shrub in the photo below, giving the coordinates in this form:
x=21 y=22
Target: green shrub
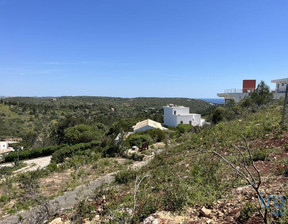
x=5 y=171
x=52 y=167
x=81 y=133
x=145 y=208
x=260 y=155
x=218 y=115
x=136 y=157
x=68 y=151
x=246 y=102
x=4 y=198
x=246 y=212
x=183 y=128
x=112 y=151
x=138 y=139
x=125 y=176
x=30 y=154
x=156 y=134
x=175 y=196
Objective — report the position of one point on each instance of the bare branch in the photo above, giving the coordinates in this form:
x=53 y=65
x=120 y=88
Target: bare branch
x=250 y=178
x=136 y=189
x=245 y=165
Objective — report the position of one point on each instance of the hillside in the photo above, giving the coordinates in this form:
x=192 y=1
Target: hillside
x=199 y=187
x=181 y=183
x=22 y=116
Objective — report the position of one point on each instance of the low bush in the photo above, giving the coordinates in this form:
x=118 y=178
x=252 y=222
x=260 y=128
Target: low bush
x=136 y=157
x=246 y=212
x=68 y=151
x=183 y=128
x=138 y=139
x=261 y=155
x=112 y=151
x=125 y=176
x=156 y=134
x=30 y=154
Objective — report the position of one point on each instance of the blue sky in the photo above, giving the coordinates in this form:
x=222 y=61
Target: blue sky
x=131 y=48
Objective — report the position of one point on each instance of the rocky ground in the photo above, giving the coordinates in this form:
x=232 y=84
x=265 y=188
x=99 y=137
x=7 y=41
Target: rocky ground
x=232 y=208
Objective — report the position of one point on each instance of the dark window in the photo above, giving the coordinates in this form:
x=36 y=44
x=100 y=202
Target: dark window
x=174 y=112
x=181 y=122
x=190 y=122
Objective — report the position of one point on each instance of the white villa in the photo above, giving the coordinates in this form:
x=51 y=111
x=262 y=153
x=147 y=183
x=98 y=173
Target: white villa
x=4 y=147
x=174 y=115
x=280 y=88
x=146 y=125
x=238 y=94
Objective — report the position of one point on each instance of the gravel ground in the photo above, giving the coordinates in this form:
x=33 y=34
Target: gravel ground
x=33 y=164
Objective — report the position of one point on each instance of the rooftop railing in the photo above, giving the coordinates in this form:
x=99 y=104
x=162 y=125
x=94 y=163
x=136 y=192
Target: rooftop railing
x=238 y=90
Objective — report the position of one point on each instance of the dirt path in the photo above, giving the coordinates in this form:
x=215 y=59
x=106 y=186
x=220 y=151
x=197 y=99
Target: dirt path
x=33 y=164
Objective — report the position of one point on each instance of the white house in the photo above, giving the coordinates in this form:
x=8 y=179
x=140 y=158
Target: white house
x=280 y=88
x=174 y=115
x=239 y=94
x=4 y=148
x=146 y=125
x=3 y=145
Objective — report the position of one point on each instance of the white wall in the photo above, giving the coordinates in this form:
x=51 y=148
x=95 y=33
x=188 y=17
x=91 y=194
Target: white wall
x=194 y=118
x=170 y=120
x=3 y=145
x=182 y=114
x=181 y=110
x=280 y=87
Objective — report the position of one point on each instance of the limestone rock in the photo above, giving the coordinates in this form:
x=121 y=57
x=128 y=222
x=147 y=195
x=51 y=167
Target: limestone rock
x=205 y=212
x=56 y=221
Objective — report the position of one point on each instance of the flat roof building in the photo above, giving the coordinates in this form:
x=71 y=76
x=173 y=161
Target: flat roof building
x=250 y=85
x=174 y=115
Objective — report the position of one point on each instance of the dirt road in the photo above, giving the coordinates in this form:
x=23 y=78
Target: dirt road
x=33 y=164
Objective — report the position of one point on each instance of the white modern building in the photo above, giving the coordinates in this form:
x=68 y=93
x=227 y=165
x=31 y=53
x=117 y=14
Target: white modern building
x=174 y=115
x=147 y=125
x=239 y=94
x=280 y=88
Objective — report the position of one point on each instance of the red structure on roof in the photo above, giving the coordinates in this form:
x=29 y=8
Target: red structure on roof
x=249 y=85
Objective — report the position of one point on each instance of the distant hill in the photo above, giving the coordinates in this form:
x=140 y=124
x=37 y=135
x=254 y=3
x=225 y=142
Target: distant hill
x=19 y=115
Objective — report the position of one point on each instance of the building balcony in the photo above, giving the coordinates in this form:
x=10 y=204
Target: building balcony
x=247 y=90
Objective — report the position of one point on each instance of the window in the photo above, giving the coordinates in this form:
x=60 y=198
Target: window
x=181 y=122
x=174 y=112
x=190 y=122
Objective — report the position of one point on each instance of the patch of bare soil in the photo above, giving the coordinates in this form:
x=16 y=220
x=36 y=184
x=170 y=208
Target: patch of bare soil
x=52 y=184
